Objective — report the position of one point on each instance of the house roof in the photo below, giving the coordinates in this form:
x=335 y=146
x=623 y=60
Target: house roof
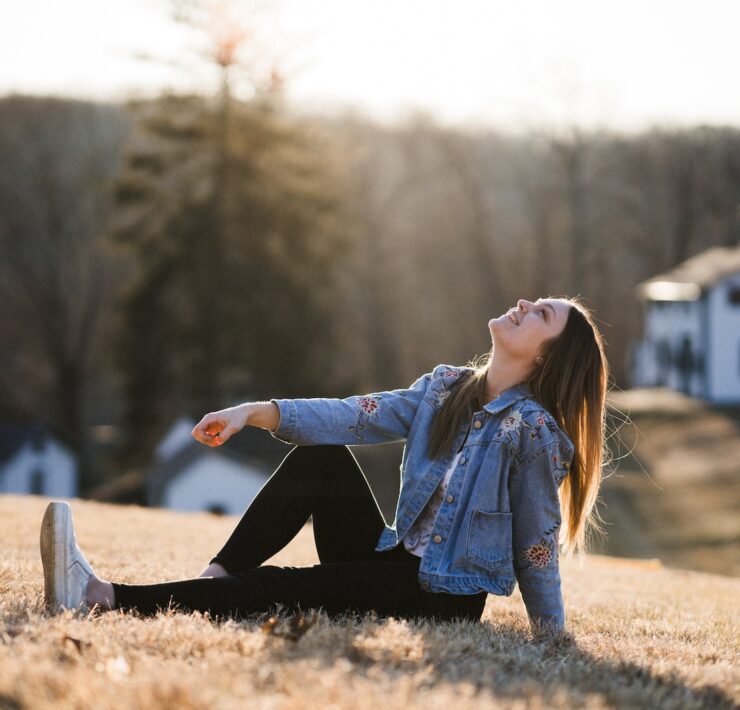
x=688 y=279
x=250 y=447
x=14 y=435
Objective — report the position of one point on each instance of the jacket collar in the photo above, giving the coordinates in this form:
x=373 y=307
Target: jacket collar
x=508 y=397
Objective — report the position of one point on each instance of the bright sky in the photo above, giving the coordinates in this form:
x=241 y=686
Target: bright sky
x=511 y=64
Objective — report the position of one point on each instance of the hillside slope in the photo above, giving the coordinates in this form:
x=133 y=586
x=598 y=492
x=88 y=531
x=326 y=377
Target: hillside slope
x=675 y=494
x=643 y=636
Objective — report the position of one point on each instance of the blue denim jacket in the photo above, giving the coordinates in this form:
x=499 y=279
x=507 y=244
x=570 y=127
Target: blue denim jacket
x=499 y=522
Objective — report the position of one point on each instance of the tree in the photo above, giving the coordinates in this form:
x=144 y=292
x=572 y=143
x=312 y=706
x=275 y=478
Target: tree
x=232 y=217
x=58 y=158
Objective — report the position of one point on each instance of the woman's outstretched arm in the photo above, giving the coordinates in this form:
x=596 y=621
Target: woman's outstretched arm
x=377 y=418
x=380 y=417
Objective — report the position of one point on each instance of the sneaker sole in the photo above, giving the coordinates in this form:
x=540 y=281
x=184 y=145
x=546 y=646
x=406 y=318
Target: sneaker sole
x=54 y=527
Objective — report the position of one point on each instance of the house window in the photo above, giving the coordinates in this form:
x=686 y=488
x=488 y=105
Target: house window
x=733 y=295
x=37 y=482
x=216 y=509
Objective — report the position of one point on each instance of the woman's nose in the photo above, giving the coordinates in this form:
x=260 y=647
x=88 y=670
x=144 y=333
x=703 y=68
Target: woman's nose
x=523 y=304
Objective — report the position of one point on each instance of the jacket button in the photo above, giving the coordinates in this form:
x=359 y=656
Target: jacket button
x=450 y=499
x=425 y=585
x=462 y=459
x=477 y=424
x=437 y=538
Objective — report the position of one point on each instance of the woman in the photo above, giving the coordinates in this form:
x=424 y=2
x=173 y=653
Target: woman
x=480 y=506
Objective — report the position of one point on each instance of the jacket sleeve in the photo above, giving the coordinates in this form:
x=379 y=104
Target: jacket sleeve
x=535 y=507
x=381 y=417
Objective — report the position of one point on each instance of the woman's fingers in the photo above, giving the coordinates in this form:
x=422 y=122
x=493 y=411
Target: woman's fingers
x=212 y=432
x=206 y=429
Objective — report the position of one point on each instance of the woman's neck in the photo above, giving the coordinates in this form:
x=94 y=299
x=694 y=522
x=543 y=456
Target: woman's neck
x=502 y=375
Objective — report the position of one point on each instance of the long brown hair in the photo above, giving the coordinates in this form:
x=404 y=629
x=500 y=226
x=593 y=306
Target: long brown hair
x=571 y=384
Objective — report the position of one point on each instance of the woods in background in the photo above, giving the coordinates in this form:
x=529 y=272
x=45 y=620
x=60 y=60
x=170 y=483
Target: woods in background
x=58 y=277
x=187 y=254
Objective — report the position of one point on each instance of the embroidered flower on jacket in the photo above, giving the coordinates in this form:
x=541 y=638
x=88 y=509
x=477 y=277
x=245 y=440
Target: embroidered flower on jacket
x=368 y=408
x=442 y=396
x=451 y=373
x=512 y=421
x=539 y=554
x=509 y=427
x=368 y=404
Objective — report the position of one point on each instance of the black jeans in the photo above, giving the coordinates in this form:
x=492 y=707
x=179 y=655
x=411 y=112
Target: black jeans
x=327 y=483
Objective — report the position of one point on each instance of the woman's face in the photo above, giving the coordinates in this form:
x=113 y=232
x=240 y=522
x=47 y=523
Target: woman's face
x=522 y=331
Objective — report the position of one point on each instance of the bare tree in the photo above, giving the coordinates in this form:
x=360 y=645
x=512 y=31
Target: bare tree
x=58 y=279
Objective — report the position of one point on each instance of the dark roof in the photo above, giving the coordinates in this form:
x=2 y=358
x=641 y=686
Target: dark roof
x=14 y=435
x=704 y=269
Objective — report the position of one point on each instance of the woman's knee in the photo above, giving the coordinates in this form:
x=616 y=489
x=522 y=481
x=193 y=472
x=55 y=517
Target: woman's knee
x=333 y=465
x=322 y=453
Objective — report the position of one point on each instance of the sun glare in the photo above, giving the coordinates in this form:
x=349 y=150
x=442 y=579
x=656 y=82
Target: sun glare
x=477 y=62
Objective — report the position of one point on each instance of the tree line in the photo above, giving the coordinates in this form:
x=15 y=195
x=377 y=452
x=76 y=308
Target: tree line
x=186 y=253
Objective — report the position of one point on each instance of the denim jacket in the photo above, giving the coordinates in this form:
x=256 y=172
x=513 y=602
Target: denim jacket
x=499 y=522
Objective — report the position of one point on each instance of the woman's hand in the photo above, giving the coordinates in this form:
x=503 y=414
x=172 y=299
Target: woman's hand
x=217 y=428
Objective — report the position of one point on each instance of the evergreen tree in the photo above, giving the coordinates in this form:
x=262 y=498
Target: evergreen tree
x=232 y=218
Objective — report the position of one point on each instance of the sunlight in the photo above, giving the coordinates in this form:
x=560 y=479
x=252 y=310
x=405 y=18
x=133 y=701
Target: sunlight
x=479 y=62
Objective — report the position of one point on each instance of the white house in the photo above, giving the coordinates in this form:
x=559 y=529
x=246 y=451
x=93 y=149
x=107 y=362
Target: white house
x=188 y=475
x=35 y=461
x=692 y=328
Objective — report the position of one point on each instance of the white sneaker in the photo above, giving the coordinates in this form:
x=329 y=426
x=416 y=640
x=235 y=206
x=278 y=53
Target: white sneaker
x=66 y=571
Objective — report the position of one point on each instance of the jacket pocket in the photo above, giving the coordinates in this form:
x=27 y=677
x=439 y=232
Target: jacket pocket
x=490 y=538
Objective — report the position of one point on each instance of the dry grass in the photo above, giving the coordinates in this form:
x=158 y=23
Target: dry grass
x=643 y=636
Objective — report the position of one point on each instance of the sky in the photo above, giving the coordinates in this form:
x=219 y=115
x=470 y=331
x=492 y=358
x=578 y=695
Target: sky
x=623 y=65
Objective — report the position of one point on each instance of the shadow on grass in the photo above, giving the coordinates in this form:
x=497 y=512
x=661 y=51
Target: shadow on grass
x=509 y=664
x=504 y=661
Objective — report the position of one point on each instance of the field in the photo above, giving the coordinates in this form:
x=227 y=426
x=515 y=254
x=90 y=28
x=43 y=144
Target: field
x=642 y=636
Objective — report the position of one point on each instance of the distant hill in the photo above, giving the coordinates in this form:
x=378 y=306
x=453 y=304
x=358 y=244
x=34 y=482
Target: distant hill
x=675 y=494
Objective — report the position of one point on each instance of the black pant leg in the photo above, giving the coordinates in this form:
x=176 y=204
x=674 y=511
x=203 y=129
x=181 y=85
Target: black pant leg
x=324 y=482
x=347 y=520
x=387 y=587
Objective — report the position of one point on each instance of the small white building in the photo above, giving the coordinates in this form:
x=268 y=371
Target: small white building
x=34 y=461
x=692 y=328
x=188 y=475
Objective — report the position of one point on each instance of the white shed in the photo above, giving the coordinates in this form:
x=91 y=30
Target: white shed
x=692 y=328
x=190 y=476
x=35 y=461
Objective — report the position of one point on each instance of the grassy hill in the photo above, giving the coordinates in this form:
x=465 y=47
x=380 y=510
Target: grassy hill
x=643 y=636
x=675 y=494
